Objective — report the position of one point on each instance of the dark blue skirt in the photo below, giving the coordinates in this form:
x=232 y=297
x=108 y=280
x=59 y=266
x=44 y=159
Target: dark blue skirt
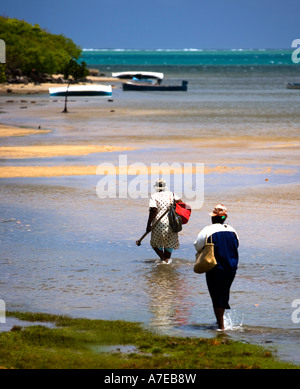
x=219 y=283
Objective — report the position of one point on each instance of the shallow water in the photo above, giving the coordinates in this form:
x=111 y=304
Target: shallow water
x=64 y=250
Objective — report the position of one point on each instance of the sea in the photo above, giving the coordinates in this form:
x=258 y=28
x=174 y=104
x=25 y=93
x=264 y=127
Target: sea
x=67 y=249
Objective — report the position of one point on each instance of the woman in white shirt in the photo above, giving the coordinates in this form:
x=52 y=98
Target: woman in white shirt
x=163 y=239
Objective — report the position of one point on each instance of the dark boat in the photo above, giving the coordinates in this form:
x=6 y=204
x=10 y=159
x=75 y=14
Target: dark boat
x=140 y=86
x=293 y=85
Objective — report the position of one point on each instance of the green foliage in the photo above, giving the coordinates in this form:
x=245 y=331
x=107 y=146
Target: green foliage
x=75 y=70
x=2 y=73
x=82 y=343
x=30 y=47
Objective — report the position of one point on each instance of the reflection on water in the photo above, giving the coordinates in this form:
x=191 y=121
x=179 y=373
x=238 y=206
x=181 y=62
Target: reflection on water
x=169 y=295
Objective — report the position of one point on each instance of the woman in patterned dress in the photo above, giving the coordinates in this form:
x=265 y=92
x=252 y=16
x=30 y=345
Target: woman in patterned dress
x=163 y=239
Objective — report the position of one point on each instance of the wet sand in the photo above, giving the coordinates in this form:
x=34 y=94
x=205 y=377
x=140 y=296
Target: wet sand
x=10 y=131
x=56 y=171
x=21 y=153
x=45 y=151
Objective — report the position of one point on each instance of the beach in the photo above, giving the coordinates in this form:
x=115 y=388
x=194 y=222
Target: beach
x=68 y=251
x=32 y=88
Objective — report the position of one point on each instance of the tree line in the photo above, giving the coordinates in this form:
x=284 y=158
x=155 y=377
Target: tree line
x=31 y=48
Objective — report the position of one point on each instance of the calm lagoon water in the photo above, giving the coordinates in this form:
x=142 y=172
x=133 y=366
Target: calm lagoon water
x=64 y=250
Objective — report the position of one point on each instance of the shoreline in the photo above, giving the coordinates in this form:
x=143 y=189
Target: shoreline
x=126 y=345
x=32 y=88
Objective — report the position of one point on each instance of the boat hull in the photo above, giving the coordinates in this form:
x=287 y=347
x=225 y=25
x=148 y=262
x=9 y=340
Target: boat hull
x=139 y=75
x=84 y=90
x=91 y=93
x=293 y=85
x=131 y=86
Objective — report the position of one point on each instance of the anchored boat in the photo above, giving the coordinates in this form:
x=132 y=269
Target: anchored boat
x=140 y=86
x=82 y=90
x=293 y=85
x=139 y=75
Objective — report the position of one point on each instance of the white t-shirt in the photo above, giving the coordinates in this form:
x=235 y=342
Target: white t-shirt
x=162 y=199
x=208 y=231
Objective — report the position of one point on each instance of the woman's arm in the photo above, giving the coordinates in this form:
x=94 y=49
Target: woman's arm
x=152 y=214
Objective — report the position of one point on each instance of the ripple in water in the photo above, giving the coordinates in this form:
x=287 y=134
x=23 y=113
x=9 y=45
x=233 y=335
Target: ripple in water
x=233 y=321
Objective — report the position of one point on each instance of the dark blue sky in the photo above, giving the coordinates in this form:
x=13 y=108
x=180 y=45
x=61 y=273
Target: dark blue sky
x=217 y=24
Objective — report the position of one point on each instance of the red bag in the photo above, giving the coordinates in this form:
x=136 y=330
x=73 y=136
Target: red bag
x=184 y=211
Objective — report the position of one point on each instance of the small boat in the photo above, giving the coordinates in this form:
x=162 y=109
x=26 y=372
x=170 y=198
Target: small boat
x=82 y=90
x=140 y=86
x=293 y=85
x=139 y=75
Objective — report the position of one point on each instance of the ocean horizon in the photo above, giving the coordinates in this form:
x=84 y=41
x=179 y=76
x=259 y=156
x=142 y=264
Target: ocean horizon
x=186 y=57
x=180 y=49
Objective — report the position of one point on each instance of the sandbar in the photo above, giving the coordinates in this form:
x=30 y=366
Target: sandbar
x=46 y=151
x=45 y=171
x=6 y=131
x=81 y=170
